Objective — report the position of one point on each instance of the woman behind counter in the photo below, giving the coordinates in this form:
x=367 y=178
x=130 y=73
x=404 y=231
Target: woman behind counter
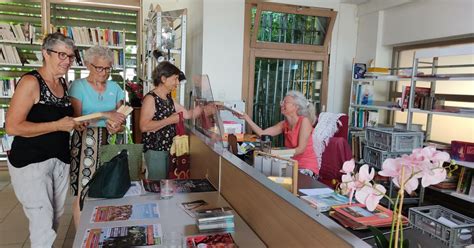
x=158 y=116
x=297 y=128
x=40 y=118
x=91 y=95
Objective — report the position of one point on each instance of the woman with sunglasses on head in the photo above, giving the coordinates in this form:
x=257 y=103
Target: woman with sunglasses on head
x=89 y=95
x=297 y=128
x=40 y=118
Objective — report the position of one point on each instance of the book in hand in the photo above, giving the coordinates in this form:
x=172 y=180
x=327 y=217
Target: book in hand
x=324 y=202
x=217 y=240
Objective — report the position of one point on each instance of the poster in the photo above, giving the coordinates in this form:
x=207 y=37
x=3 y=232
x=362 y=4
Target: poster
x=125 y=212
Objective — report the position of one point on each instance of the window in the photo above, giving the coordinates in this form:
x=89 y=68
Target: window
x=286 y=48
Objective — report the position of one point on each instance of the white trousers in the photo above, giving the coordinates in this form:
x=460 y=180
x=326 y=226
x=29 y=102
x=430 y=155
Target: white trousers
x=42 y=189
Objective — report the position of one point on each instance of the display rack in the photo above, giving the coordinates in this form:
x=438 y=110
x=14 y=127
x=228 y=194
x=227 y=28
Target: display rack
x=165 y=33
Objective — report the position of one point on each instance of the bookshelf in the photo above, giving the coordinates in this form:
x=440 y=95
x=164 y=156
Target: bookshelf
x=20 y=33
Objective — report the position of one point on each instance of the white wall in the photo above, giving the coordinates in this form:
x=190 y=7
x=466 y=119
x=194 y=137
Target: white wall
x=428 y=20
x=222 y=47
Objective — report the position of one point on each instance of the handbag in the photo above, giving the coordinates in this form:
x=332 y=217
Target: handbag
x=111 y=180
x=179 y=153
x=135 y=151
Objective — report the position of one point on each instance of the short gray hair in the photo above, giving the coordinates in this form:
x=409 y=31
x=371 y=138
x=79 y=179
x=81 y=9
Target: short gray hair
x=54 y=39
x=305 y=107
x=98 y=52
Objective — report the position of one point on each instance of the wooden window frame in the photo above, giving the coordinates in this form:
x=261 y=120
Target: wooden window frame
x=254 y=49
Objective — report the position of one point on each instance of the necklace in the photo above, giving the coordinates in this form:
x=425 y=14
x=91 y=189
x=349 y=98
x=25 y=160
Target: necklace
x=100 y=94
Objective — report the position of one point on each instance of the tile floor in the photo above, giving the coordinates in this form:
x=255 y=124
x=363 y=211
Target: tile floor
x=14 y=225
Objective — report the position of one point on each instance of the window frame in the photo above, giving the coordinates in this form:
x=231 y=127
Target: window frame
x=254 y=49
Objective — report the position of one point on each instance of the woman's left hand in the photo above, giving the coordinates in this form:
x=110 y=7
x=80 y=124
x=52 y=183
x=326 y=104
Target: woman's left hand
x=116 y=117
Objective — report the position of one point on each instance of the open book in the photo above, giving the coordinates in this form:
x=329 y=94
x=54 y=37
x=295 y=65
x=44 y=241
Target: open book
x=126 y=110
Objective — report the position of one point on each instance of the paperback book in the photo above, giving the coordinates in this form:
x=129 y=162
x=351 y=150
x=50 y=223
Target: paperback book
x=326 y=201
x=218 y=240
x=125 y=236
x=125 y=212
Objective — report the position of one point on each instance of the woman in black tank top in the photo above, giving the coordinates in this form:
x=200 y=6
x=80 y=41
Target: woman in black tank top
x=40 y=119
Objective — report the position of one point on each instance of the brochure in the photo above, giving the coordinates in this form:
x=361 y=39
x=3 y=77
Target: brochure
x=218 y=240
x=125 y=212
x=324 y=202
x=125 y=236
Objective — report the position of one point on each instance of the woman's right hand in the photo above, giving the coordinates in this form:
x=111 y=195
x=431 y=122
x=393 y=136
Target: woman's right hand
x=174 y=118
x=116 y=117
x=66 y=124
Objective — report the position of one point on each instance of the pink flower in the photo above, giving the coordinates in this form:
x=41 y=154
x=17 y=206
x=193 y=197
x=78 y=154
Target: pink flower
x=347 y=186
x=433 y=176
x=391 y=167
x=348 y=166
x=364 y=177
x=370 y=195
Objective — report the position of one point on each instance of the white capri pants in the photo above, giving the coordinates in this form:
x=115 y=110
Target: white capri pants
x=42 y=189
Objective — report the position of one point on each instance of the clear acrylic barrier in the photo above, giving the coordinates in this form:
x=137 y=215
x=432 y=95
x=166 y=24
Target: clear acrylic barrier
x=209 y=121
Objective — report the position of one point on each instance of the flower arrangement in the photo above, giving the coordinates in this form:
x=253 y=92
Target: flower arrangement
x=406 y=171
x=135 y=91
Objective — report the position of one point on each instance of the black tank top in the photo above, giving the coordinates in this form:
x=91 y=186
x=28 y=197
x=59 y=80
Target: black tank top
x=25 y=151
x=162 y=139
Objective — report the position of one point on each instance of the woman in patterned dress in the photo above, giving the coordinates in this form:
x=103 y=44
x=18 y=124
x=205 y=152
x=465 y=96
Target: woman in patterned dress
x=89 y=95
x=158 y=116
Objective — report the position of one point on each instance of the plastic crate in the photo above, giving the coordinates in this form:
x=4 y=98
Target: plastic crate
x=375 y=157
x=393 y=140
x=453 y=229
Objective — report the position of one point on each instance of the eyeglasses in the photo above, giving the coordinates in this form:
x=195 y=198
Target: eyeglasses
x=101 y=69
x=283 y=103
x=63 y=55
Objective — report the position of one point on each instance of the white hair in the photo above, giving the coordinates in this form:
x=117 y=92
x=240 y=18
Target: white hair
x=98 y=52
x=305 y=107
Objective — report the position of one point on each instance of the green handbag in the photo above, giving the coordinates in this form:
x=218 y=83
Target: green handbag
x=111 y=180
x=135 y=151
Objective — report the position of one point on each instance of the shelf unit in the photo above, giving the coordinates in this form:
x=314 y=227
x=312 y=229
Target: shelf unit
x=165 y=32
x=18 y=13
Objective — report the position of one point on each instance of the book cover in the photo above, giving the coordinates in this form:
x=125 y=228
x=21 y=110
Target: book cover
x=218 y=240
x=125 y=212
x=124 y=236
x=182 y=185
x=358 y=213
x=359 y=70
x=326 y=201
x=89 y=117
x=461 y=150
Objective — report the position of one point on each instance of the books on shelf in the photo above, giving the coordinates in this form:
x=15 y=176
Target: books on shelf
x=465 y=183
x=9 y=54
x=362 y=118
x=92 y=36
x=17 y=32
x=7 y=88
x=364 y=94
x=422 y=100
x=324 y=202
x=463 y=151
x=359 y=70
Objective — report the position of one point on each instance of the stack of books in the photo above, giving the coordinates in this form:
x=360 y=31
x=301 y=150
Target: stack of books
x=218 y=240
x=324 y=202
x=215 y=220
x=357 y=217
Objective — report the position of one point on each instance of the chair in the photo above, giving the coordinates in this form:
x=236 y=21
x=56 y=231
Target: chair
x=336 y=153
x=280 y=170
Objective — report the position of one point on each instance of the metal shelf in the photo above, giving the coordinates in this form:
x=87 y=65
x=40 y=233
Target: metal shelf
x=463 y=196
x=465 y=164
x=467 y=115
x=447 y=77
x=380 y=79
x=375 y=107
x=20 y=42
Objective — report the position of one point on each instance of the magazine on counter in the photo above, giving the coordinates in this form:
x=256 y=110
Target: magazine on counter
x=182 y=185
x=324 y=202
x=217 y=240
x=124 y=236
x=125 y=212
